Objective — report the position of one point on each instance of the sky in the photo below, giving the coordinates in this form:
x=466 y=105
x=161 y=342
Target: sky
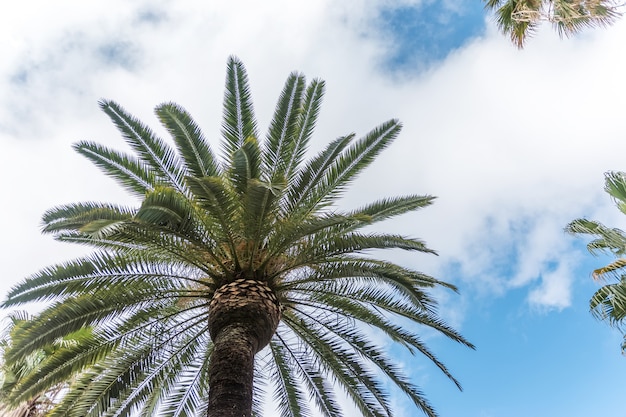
x=514 y=143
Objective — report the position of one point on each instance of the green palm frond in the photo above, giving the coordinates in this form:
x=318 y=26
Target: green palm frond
x=571 y=17
x=361 y=344
x=615 y=186
x=518 y=19
x=246 y=165
x=239 y=122
x=130 y=172
x=251 y=240
x=193 y=147
x=606 y=240
x=283 y=127
x=13 y=374
x=290 y=398
x=308 y=370
x=391 y=207
x=609 y=302
x=88 y=218
x=313 y=173
x=343 y=365
x=307 y=117
x=366 y=315
x=166 y=207
x=261 y=203
x=152 y=150
x=350 y=163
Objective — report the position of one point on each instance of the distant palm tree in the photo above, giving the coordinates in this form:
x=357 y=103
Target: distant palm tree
x=519 y=19
x=609 y=302
x=235 y=275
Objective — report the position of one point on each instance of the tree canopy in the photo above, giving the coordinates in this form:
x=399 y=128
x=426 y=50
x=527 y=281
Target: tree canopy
x=609 y=302
x=238 y=273
x=520 y=19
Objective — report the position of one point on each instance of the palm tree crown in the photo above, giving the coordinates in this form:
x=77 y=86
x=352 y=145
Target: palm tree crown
x=234 y=275
x=609 y=302
x=519 y=19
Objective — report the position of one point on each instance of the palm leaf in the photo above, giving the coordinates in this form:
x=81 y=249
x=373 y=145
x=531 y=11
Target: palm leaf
x=239 y=122
x=344 y=169
x=282 y=130
x=609 y=303
x=290 y=399
x=313 y=172
x=307 y=118
x=130 y=172
x=152 y=150
x=190 y=142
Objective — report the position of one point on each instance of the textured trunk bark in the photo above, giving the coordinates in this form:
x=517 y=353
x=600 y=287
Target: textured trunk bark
x=231 y=373
x=243 y=316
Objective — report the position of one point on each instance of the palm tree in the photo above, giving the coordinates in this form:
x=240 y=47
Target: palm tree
x=609 y=302
x=234 y=275
x=519 y=19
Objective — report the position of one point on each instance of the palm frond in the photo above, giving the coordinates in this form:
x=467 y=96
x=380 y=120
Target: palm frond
x=100 y=272
x=311 y=375
x=90 y=218
x=609 y=303
x=246 y=165
x=261 y=204
x=391 y=207
x=131 y=173
x=190 y=141
x=613 y=269
x=519 y=19
x=289 y=397
x=152 y=150
x=615 y=186
x=307 y=118
x=238 y=122
x=166 y=207
x=351 y=162
x=343 y=365
x=571 y=17
x=608 y=240
x=313 y=172
x=360 y=343
x=281 y=140
x=366 y=315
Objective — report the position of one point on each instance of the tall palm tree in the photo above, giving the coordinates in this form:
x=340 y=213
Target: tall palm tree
x=519 y=19
x=234 y=275
x=609 y=302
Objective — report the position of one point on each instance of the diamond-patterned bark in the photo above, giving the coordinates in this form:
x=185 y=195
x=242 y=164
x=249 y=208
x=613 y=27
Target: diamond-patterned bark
x=248 y=303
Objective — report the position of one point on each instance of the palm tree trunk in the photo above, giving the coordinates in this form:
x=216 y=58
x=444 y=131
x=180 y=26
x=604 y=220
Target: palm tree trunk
x=243 y=316
x=231 y=373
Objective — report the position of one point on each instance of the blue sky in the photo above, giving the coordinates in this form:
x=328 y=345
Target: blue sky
x=513 y=143
x=425 y=33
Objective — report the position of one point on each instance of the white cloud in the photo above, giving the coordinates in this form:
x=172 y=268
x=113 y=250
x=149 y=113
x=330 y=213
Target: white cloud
x=554 y=290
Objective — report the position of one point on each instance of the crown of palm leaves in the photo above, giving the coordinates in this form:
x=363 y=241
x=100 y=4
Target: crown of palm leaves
x=259 y=212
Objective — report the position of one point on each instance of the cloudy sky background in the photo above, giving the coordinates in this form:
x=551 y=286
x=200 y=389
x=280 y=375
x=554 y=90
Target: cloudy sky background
x=513 y=143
